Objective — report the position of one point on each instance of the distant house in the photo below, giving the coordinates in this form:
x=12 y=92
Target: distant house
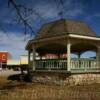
x=64 y=37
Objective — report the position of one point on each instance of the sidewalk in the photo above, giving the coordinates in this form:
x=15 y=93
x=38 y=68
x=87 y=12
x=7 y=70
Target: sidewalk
x=8 y=72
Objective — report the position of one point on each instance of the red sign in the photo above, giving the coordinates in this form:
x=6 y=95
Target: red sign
x=3 y=56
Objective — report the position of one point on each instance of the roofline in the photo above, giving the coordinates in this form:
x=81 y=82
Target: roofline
x=85 y=37
x=42 y=39
x=64 y=36
x=68 y=19
x=28 y=44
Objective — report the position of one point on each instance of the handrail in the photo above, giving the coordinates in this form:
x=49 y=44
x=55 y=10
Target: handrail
x=61 y=64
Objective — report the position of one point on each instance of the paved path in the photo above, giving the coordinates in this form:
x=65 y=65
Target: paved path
x=8 y=72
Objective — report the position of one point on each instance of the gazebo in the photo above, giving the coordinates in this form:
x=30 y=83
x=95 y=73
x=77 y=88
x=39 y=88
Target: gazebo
x=55 y=42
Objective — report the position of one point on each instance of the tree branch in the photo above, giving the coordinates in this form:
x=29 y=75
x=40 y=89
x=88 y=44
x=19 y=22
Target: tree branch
x=21 y=18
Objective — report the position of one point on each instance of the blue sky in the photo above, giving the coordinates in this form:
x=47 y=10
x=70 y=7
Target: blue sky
x=11 y=33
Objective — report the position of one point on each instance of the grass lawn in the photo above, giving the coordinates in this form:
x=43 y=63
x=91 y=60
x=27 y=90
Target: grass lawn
x=17 y=90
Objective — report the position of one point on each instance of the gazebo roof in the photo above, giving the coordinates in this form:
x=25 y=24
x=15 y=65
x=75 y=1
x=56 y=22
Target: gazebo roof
x=63 y=27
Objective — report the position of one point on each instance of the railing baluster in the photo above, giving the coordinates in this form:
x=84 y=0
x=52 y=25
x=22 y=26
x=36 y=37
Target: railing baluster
x=52 y=63
x=77 y=64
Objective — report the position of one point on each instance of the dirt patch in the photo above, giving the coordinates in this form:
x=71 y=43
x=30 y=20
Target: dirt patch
x=14 y=89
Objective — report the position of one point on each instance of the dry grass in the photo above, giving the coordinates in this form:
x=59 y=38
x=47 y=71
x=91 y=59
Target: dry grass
x=14 y=90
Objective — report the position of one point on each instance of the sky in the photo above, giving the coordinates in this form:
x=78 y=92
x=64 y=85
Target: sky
x=12 y=37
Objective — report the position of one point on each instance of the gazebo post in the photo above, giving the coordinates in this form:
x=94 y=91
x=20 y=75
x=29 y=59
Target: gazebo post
x=79 y=55
x=29 y=66
x=98 y=56
x=68 y=55
x=40 y=57
x=29 y=57
x=34 y=58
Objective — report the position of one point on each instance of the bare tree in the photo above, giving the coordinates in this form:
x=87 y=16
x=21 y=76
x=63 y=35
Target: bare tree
x=23 y=12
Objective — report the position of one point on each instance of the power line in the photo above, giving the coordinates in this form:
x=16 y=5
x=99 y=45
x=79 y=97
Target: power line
x=25 y=18
x=63 y=8
x=60 y=7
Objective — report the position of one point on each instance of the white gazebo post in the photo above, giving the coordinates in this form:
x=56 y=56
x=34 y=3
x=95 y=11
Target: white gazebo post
x=68 y=55
x=98 y=56
x=29 y=65
x=79 y=55
x=34 y=58
x=29 y=58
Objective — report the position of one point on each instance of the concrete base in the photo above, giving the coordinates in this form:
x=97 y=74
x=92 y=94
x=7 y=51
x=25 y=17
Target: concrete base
x=66 y=78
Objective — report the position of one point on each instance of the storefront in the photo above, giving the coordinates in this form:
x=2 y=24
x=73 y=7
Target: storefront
x=3 y=59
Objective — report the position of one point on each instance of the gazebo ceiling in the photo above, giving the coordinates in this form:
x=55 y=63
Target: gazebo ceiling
x=82 y=47
x=58 y=48
x=63 y=27
x=51 y=48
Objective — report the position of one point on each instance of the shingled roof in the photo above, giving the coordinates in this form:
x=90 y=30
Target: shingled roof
x=63 y=27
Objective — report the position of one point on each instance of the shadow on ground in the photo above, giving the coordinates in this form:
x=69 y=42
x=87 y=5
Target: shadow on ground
x=13 y=81
x=14 y=77
x=20 y=77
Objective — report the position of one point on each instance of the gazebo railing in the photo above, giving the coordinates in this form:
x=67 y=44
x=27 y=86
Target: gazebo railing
x=84 y=64
x=51 y=64
x=61 y=64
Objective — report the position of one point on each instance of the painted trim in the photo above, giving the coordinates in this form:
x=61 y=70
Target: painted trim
x=84 y=37
x=59 y=37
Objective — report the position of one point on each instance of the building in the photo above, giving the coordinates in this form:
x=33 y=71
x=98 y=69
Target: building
x=64 y=37
x=4 y=56
x=18 y=64
x=13 y=64
x=24 y=60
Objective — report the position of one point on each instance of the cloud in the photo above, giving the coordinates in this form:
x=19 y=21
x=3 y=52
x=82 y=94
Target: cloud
x=96 y=15
x=13 y=43
x=74 y=12
x=91 y=17
x=50 y=9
